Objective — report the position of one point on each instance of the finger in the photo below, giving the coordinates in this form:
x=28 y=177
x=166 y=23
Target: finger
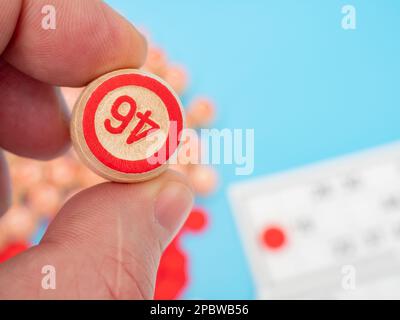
x=33 y=116
x=4 y=185
x=89 y=39
x=106 y=242
x=9 y=12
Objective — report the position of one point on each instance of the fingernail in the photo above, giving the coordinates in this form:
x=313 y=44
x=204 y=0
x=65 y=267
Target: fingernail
x=172 y=205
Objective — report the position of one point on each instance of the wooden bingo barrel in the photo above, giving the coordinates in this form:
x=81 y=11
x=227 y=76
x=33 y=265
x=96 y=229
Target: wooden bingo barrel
x=126 y=125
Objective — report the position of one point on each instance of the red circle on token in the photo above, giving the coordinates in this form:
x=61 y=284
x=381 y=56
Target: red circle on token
x=273 y=237
x=172 y=107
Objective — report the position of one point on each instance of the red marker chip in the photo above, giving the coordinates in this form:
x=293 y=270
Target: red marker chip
x=273 y=237
x=126 y=125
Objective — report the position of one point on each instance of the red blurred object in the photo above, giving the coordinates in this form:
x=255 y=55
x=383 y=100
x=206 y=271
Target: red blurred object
x=172 y=276
x=197 y=220
x=273 y=237
x=172 y=273
x=12 y=250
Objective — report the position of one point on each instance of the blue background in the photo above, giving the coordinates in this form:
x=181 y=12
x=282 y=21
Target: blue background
x=286 y=68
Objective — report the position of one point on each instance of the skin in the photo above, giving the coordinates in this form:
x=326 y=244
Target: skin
x=106 y=242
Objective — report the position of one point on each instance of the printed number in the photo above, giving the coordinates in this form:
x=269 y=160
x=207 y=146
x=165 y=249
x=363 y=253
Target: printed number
x=144 y=119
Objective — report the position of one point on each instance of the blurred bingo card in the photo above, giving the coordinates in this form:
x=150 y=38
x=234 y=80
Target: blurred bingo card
x=330 y=230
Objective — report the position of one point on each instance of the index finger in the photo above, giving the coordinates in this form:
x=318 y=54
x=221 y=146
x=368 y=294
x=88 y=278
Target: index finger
x=88 y=39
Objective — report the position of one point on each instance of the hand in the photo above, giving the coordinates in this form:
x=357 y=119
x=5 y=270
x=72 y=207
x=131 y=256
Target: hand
x=106 y=242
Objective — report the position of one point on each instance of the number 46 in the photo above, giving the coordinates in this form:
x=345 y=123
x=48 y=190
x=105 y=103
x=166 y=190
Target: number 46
x=144 y=118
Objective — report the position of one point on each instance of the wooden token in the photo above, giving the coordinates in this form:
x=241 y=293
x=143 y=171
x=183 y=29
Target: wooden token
x=126 y=125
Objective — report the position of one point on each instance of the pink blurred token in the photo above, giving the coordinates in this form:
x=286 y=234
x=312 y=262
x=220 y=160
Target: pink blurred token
x=26 y=174
x=156 y=61
x=88 y=178
x=61 y=172
x=177 y=77
x=201 y=113
x=18 y=224
x=44 y=199
x=204 y=179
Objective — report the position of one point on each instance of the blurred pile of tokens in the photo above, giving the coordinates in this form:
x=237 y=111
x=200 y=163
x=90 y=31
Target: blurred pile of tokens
x=40 y=188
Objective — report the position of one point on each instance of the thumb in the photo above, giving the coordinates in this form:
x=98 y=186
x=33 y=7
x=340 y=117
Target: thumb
x=106 y=242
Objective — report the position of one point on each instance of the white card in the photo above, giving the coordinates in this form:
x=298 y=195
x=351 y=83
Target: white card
x=329 y=230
